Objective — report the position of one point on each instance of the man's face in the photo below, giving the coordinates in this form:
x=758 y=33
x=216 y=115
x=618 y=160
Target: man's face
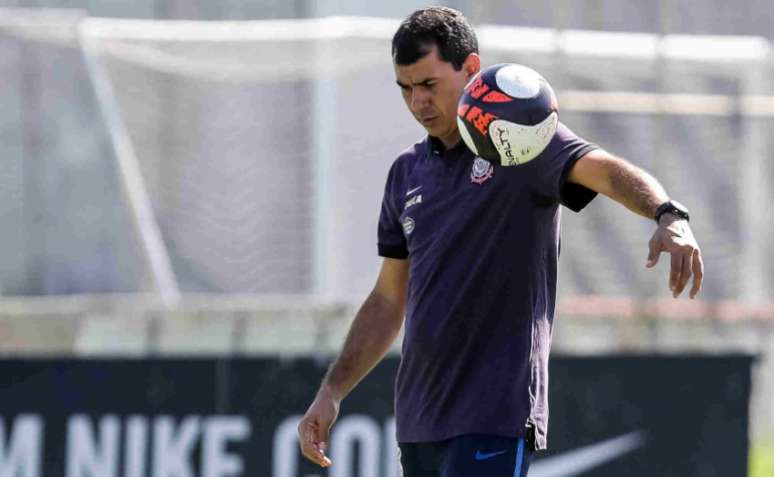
x=432 y=88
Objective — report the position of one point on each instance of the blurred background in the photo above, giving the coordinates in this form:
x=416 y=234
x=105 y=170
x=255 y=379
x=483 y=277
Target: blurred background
x=203 y=178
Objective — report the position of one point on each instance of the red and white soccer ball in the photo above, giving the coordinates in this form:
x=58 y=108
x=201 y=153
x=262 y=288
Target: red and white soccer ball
x=508 y=114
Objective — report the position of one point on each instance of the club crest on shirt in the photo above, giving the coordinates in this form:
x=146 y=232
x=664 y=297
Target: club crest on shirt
x=482 y=171
x=408 y=226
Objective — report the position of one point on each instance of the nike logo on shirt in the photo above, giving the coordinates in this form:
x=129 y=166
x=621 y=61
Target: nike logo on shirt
x=488 y=455
x=411 y=191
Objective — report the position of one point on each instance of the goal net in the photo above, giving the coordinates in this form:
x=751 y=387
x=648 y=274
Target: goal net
x=250 y=157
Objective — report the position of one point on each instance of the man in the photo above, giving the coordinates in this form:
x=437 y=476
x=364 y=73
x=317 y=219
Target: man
x=470 y=256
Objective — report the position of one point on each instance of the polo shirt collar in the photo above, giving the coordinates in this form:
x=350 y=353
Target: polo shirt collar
x=436 y=148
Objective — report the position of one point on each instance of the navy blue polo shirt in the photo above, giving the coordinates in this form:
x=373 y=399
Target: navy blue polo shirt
x=483 y=246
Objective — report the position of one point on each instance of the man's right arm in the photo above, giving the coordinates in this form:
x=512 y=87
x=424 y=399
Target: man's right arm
x=375 y=327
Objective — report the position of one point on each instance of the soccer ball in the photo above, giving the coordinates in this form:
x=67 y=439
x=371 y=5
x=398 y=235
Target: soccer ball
x=508 y=114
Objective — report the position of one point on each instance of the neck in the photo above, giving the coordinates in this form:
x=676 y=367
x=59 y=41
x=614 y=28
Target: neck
x=451 y=140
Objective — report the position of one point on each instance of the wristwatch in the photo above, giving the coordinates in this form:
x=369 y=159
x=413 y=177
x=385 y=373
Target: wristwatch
x=673 y=207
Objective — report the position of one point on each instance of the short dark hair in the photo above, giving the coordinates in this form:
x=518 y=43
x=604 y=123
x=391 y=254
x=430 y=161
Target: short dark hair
x=441 y=26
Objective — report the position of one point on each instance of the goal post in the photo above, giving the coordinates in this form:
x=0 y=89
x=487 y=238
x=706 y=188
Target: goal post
x=163 y=275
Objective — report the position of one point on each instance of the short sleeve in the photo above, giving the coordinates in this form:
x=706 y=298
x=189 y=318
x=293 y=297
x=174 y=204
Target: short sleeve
x=561 y=155
x=390 y=239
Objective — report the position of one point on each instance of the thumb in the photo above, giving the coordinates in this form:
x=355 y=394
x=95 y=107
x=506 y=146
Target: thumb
x=653 y=255
x=322 y=445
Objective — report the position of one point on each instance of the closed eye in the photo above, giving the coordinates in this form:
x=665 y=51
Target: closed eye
x=424 y=84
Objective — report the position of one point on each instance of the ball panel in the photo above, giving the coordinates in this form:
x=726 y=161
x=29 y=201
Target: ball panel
x=496 y=97
x=518 y=144
x=466 y=136
x=518 y=81
x=479 y=144
x=527 y=111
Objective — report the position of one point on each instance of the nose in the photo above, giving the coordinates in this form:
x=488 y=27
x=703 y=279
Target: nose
x=420 y=98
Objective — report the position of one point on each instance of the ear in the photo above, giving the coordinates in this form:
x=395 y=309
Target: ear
x=472 y=65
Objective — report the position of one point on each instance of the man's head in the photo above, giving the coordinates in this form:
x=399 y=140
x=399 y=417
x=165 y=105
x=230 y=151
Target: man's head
x=435 y=53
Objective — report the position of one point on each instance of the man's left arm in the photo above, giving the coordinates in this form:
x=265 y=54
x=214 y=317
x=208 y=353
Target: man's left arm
x=643 y=194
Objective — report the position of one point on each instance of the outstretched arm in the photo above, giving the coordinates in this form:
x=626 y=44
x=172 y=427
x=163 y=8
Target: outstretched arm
x=643 y=194
x=372 y=332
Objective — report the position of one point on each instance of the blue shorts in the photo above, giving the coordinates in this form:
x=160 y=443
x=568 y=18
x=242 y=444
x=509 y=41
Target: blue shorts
x=467 y=456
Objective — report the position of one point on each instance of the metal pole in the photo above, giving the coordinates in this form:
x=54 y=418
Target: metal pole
x=755 y=219
x=323 y=126
x=139 y=201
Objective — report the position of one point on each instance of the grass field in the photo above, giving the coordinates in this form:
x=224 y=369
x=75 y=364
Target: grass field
x=762 y=458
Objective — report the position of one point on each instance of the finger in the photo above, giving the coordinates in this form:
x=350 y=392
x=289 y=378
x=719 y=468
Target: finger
x=675 y=271
x=310 y=446
x=320 y=437
x=698 y=273
x=685 y=275
x=653 y=254
x=326 y=461
x=307 y=443
x=321 y=446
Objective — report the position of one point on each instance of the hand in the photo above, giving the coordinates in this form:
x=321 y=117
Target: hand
x=315 y=426
x=674 y=235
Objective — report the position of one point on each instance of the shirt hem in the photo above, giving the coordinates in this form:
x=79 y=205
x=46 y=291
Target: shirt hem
x=388 y=251
x=442 y=436
x=583 y=195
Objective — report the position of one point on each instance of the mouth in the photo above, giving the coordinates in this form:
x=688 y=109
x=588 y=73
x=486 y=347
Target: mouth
x=428 y=120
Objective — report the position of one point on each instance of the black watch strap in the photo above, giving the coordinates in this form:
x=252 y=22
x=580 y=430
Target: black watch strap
x=673 y=207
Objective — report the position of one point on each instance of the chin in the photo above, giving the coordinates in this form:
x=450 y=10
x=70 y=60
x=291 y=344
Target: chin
x=438 y=132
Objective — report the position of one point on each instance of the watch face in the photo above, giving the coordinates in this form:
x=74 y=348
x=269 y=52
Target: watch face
x=673 y=207
x=677 y=205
